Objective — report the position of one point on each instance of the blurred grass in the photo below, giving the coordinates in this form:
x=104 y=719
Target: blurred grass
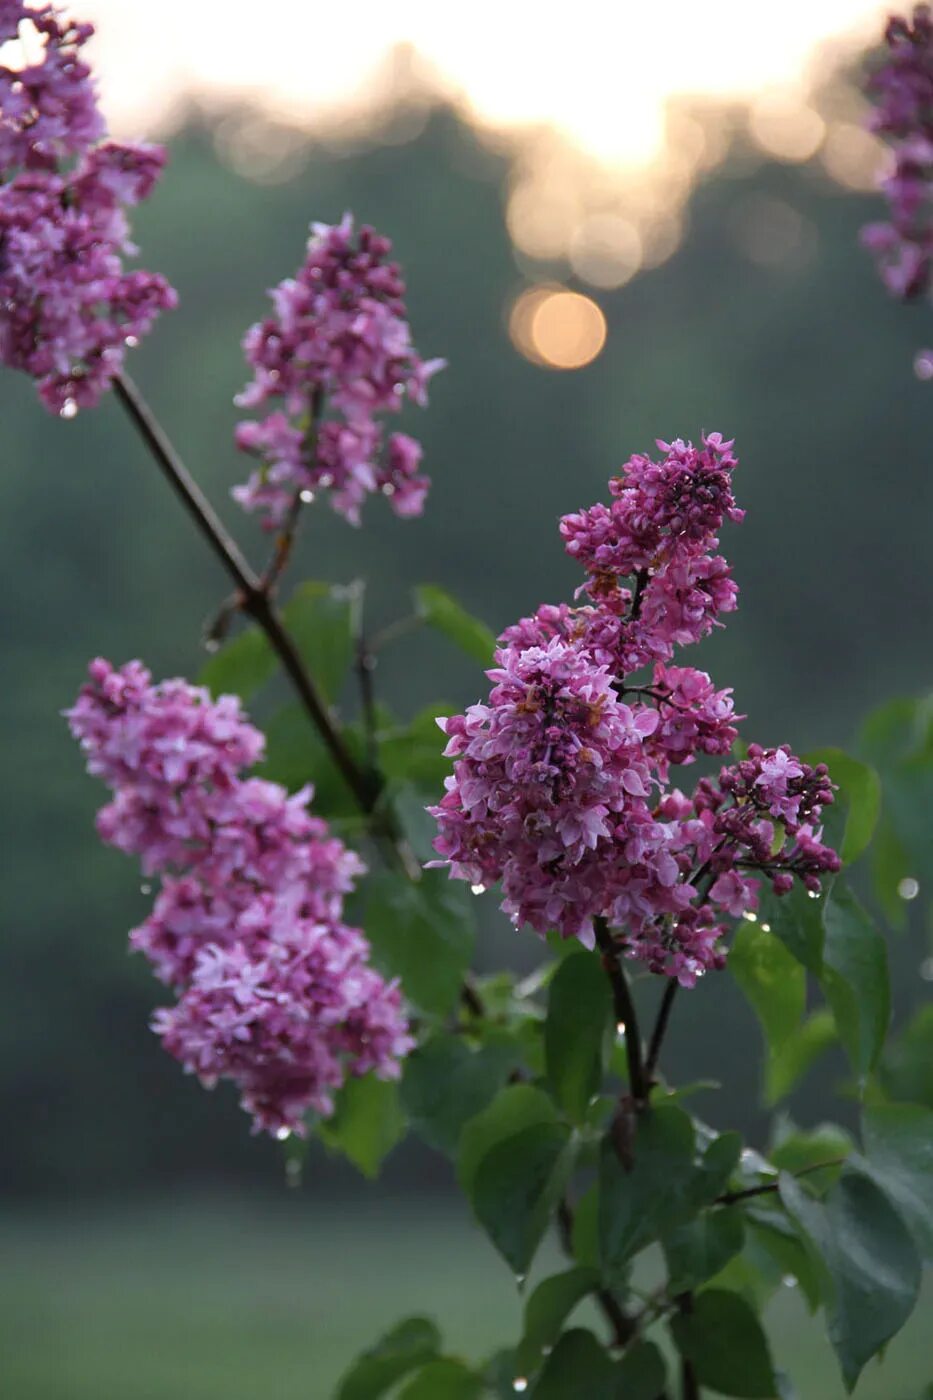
x=228 y=1299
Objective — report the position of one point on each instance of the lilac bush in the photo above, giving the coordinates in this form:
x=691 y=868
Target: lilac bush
x=567 y=788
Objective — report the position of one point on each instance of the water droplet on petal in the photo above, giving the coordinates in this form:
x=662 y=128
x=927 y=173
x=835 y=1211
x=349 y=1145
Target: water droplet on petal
x=789 y=1281
x=923 y=364
x=145 y=888
x=766 y=928
x=814 y=894
x=68 y=409
x=283 y=1134
x=132 y=341
x=520 y=1280
x=926 y=969
x=477 y=889
x=520 y=1383
x=908 y=888
x=388 y=489
x=306 y=497
x=750 y=916
x=620 y=1028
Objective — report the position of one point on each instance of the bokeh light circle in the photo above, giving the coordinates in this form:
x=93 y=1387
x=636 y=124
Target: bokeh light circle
x=558 y=328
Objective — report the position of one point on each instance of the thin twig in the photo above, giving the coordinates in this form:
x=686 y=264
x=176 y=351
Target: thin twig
x=730 y=1197
x=393 y=630
x=641 y=583
x=623 y=1327
x=624 y=1011
x=689 y=1384
x=285 y=537
x=282 y=550
x=253 y=599
x=660 y=1029
x=365 y=665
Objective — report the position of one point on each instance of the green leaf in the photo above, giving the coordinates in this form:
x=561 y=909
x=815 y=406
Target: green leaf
x=801 y=1149
x=869 y=1266
x=773 y=982
x=415 y=754
x=787 y=1065
x=850 y=822
x=579 y=1007
x=698 y=1249
x=367 y=1122
x=797 y=920
x=516 y=1187
x=890 y=865
x=641 y=1374
x=408 y=804
x=241 y=667
x=320 y=621
x=446 y=1083
x=855 y=979
x=296 y=755
x=718 y=1162
x=423 y=934
x=405 y=1347
x=443 y=1379
x=499 y=1373
x=899 y=1147
x=772 y=1233
x=442 y=611
x=635 y=1205
x=514 y=1108
x=724 y=1340
x=547 y=1310
x=586 y=1229
x=907 y=1068
x=893 y=731
x=578 y=1365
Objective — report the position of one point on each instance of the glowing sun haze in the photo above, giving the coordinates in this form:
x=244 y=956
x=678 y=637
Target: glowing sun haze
x=600 y=71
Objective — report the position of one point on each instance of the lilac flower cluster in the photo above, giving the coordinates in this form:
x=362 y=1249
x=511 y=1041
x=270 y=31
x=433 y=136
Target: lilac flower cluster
x=275 y=991
x=902 y=89
x=560 y=788
x=338 y=340
x=68 y=309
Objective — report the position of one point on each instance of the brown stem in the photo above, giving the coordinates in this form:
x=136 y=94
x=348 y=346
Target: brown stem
x=252 y=596
x=624 y=1011
x=285 y=538
x=623 y=1327
x=641 y=583
x=730 y=1197
x=689 y=1385
x=660 y=1029
x=282 y=550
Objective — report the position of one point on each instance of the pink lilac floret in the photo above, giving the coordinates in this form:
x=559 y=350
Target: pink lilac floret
x=332 y=361
x=560 y=785
x=901 y=89
x=69 y=309
x=275 y=991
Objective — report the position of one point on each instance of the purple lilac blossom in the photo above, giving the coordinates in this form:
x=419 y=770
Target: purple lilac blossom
x=338 y=342
x=275 y=992
x=68 y=308
x=560 y=786
x=902 y=91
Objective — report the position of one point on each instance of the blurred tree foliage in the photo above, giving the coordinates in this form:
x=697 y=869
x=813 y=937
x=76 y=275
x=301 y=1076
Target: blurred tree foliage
x=804 y=361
